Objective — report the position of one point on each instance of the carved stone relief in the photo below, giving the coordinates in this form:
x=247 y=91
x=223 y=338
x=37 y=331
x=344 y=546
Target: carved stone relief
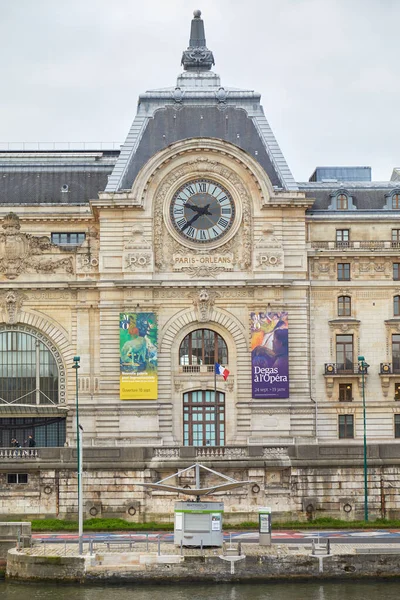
x=203 y=301
x=268 y=253
x=11 y=302
x=19 y=252
x=138 y=255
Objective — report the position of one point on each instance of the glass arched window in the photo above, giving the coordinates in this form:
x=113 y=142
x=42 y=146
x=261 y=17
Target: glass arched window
x=396 y=306
x=28 y=370
x=342 y=202
x=396 y=200
x=203 y=347
x=203 y=418
x=344 y=306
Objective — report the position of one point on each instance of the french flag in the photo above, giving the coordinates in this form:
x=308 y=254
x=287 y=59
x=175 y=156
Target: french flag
x=220 y=370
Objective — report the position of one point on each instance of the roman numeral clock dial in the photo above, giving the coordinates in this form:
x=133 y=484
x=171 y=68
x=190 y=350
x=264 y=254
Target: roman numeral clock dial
x=202 y=211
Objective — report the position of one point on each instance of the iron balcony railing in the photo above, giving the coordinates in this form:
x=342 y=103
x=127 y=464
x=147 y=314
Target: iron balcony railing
x=388 y=368
x=344 y=369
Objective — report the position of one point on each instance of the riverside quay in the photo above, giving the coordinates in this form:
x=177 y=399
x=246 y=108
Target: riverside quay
x=183 y=299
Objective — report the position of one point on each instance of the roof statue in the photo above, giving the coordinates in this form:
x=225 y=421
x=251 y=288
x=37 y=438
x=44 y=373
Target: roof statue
x=197 y=57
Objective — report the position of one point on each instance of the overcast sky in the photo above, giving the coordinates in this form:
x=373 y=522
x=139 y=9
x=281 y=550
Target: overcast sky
x=328 y=70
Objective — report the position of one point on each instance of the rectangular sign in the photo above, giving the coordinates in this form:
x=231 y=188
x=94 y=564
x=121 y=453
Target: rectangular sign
x=138 y=356
x=269 y=355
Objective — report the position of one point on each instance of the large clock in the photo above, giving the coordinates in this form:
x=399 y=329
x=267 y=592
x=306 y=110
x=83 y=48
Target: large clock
x=202 y=211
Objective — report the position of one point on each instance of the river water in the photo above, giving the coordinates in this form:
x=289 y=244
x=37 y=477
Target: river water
x=349 y=590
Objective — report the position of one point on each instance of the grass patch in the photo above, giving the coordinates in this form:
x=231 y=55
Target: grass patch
x=41 y=525
x=49 y=525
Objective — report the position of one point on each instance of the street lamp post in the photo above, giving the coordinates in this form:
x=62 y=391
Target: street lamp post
x=364 y=366
x=79 y=430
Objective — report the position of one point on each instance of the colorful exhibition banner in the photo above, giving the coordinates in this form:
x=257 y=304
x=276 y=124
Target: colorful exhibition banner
x=269 y=355
x=138 y=356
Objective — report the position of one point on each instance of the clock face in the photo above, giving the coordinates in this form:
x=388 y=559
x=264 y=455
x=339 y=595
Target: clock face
x=202 y=211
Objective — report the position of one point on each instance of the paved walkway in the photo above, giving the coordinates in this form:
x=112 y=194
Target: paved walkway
x=250 y=549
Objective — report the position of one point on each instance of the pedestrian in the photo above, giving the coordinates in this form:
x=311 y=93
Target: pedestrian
x=31 y=441
x=15 y=443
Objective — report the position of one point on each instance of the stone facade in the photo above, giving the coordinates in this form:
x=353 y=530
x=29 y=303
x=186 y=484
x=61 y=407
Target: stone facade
x=89 y=235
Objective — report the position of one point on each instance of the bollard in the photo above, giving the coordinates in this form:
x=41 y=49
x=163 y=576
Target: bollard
x=65 y=548
x=147 y=542
x=159 y=545
x=328 y=546
x=181 y=547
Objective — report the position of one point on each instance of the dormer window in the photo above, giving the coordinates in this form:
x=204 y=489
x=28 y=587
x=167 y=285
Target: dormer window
x=342 y=202
x=392 y=200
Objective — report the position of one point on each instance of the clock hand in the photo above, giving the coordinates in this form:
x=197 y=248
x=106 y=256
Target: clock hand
x=192 y=220
x=192 y=207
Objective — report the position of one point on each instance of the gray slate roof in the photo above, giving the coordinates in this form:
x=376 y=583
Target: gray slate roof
x=368 y=195
x=53 y=178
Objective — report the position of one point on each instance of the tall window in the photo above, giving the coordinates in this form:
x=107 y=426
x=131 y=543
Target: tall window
x=396 y=201
x=396 y=271
x=203 y=347
x=396 y=306
x=344 y=353
x=395 y=238
x=342 y=202
x=343 y=271
x=345 y=392
x=203 y=418
x=396 y=352
x=28 y=370
x=344 y=306
x=397 y=426
x=346 y=427
x=342 y=238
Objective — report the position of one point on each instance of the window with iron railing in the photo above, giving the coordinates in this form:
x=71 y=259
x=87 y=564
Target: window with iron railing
x=395 y=238
x=396 y=352
x=342 y=238
x=344 y=353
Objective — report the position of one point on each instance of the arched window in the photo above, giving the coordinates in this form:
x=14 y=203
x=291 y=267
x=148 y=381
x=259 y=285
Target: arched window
x=396 y=306
x=28 y=370
x=342 y=202
x=203 y=347
x=396 y=200
x=344 y=306
x=203 y=418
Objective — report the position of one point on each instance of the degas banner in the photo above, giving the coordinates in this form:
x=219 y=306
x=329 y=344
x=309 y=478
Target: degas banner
x=269 y=354
x=138 y=356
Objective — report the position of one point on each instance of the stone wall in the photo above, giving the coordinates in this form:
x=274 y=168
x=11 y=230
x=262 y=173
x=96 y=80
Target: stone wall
x=296 y=481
